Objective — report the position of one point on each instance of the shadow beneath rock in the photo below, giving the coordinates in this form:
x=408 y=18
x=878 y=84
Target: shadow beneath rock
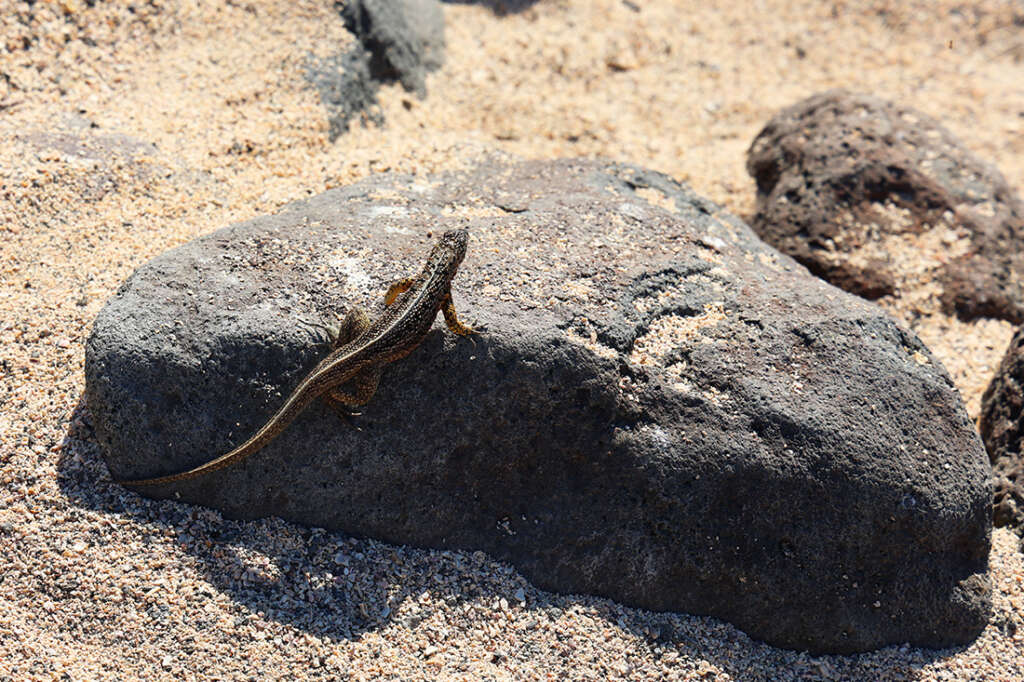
x=338 y=587
x=326 y=583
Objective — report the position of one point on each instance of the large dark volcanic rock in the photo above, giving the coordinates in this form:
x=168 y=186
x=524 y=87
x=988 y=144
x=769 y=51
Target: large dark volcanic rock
x=659 y=407
x=850 y=185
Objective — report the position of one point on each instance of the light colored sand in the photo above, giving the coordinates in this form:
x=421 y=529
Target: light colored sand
x=96 y=580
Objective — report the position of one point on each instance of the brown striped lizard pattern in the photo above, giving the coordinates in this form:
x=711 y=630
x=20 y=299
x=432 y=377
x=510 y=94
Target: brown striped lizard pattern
x=361 y=350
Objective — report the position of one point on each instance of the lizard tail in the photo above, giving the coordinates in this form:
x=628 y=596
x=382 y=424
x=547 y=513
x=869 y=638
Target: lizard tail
x=292 y=408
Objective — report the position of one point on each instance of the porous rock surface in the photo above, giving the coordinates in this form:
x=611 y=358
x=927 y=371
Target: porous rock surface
x=658 y=408
x=850 y=184
x=1002 y=429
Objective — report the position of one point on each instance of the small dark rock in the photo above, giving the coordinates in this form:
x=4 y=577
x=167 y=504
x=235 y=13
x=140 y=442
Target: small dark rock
x=846 y=182
x=404 y=38
x=398 y=40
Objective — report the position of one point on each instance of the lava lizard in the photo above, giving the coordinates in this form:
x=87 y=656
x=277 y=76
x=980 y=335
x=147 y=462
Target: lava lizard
x=361 y=349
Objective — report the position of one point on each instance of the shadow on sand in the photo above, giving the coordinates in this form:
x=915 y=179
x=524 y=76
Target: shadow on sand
x=336 y=586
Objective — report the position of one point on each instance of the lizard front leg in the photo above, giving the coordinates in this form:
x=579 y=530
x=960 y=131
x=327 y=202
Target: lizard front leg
x=452 y=319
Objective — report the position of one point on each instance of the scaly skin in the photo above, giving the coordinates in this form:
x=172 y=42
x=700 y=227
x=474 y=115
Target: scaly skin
x=361 y=350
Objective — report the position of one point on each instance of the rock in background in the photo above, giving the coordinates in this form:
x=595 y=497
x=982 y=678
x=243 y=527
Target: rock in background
x=659 y=407
x=880 y=200
x=399 y=40
x=1002 y=429
x=404 y=38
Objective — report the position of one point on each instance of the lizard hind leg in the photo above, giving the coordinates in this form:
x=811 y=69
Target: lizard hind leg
x=352 y=325
x=365 y=385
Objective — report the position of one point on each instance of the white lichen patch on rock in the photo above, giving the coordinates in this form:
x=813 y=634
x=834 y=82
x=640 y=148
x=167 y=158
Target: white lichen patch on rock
x=770 y=260
x=709 y=254
x=673 y=294
x=579 y=289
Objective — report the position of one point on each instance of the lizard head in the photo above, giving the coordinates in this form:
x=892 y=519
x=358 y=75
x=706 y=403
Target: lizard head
x=450 y=249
